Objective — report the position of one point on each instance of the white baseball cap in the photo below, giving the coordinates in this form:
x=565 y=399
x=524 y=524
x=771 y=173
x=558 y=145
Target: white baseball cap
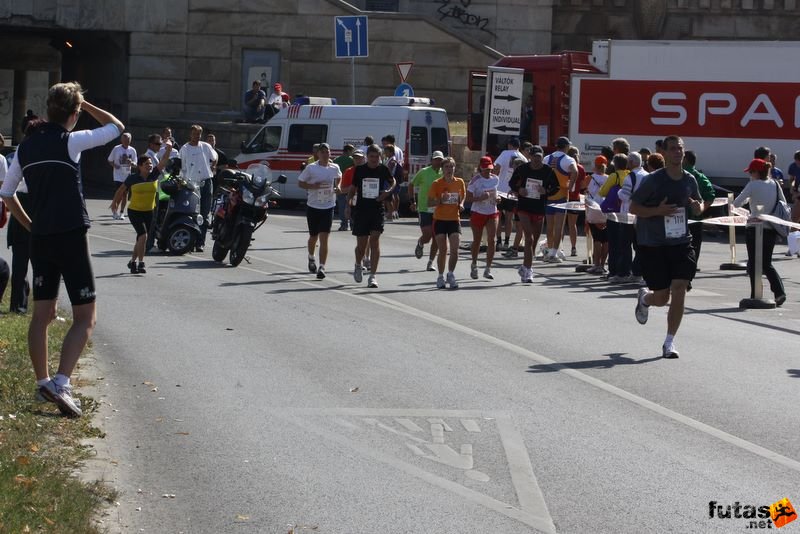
x=437 y=154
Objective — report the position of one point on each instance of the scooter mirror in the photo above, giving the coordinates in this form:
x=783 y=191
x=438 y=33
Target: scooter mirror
x=281 y=179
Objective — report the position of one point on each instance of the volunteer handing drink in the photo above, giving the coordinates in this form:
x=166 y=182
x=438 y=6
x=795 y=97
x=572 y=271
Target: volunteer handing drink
x=321 y=180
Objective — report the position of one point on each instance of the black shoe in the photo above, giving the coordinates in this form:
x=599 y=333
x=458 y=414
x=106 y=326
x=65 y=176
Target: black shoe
x=198 y=248
x=140 y=269
x=132 y=267
x=321 y=273
x=779 y=300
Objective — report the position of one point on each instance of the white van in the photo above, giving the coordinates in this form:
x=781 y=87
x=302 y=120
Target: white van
x=286 y=141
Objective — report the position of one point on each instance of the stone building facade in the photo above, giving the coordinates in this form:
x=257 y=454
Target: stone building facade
x=149 y=58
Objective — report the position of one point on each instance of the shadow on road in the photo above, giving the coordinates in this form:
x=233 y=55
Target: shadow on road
x=719 y=312
x=614 y=359
x=111 y=253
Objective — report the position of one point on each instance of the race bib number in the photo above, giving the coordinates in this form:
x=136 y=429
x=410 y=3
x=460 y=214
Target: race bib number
x=532 y=187
x=675 y=224
x=451 y=198
x=370 y=188
x=324 y=195
x=492 y=196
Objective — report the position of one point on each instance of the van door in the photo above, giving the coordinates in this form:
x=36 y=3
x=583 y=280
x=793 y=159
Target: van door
x=428 y=131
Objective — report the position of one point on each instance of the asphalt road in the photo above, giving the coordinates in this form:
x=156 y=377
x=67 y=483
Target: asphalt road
x=256 y=398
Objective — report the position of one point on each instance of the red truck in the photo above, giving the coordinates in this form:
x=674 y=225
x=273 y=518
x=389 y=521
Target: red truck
x=724 y=98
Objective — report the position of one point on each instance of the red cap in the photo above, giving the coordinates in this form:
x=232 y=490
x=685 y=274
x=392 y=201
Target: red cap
x=277 y=86
x=486 y=163
x=757 y=165
x=600 y=160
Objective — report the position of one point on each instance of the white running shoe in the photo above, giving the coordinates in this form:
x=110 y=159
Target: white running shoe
x=668 y=351
x=487 y=273
x=642 y=310
x=372 y=281
x=451 y=281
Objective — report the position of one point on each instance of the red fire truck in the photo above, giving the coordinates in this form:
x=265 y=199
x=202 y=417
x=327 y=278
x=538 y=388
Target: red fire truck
x=723 y=98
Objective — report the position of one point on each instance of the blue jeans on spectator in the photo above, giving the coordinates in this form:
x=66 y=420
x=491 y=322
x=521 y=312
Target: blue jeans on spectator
x=341 y=204
x=206 y=192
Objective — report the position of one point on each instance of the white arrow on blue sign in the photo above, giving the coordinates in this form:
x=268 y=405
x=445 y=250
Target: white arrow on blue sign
x=404 y=89
x=351 y=37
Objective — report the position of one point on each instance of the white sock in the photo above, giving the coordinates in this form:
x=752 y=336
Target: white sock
x=43 y=381
x=552 y=251
x=310 y=256
x=321 y=265
x=61 y=380
x=669 y=340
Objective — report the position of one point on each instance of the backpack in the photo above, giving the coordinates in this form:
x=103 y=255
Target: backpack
x=782 y=211
x=612 y=202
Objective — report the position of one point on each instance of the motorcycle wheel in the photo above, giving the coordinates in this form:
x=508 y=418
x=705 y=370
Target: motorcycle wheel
x=240 y=245
x=219 y=252
x=181 y=240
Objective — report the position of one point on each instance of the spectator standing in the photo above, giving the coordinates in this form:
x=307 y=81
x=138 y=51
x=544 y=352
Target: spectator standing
x=575 y=196
x=794 y=186
x=389 y=139
x=566 y=169
x=122 y=158
x=762 y=190
x=706 y=193
x=59 y=244
x=153 y=147
x=617 y=260
x=596 y=220
x=198 y=165
x=504 y=169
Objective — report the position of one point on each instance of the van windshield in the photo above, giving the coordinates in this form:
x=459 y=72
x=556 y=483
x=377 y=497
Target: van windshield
x=268 y=139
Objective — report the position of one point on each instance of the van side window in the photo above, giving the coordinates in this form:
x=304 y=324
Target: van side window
x=303 y=137
x=439 y=140
x=419 y=141
x=268 y=139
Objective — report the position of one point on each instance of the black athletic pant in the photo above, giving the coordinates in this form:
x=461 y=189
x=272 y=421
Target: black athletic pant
x=775 y=282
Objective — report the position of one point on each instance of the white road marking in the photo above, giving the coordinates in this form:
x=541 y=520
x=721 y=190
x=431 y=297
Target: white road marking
x=470 y=425
x=532 y=509
x=408 y=424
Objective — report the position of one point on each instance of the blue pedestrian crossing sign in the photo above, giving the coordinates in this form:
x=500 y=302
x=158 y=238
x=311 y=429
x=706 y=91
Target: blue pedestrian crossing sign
x=404 y=89
x=351 y=37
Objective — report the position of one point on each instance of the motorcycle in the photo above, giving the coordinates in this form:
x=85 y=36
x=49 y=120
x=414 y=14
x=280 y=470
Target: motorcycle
x=239 y=209
x=180 y=227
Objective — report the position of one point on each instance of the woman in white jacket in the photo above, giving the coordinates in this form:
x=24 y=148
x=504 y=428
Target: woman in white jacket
x=762 y=191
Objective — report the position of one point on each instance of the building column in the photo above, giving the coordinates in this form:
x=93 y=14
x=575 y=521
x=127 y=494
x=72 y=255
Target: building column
x=20 y=104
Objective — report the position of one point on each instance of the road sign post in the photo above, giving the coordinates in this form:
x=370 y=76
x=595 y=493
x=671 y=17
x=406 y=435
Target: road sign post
x=503 y=109
x=351 y=41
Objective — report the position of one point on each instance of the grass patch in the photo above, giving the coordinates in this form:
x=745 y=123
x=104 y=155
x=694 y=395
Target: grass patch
x=39 y=449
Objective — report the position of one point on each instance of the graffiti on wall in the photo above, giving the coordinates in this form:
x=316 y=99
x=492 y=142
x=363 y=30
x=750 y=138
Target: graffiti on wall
x=458 y=10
